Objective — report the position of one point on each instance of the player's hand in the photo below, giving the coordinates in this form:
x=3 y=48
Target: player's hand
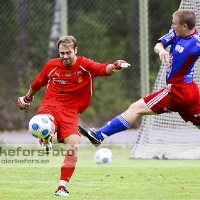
x=24 y=102
x=164 y=56
x=118 y=65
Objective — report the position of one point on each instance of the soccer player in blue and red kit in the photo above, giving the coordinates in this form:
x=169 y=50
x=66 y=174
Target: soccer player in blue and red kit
x=181 y=93
x=69 y=81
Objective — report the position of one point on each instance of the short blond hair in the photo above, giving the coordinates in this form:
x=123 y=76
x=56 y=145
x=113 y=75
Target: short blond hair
x=186 y=16
x=67 y=40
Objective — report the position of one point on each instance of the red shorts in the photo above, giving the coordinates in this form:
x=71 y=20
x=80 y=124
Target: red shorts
x=183 y=98
x=65 y=121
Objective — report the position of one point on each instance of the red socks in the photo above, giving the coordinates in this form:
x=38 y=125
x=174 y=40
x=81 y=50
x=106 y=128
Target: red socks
x=67 y=170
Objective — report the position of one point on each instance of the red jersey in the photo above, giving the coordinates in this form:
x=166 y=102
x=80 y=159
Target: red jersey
x=70 y=88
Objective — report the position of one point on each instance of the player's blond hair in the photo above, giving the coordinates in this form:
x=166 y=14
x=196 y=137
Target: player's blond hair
x=67 y=40
x=186 y=16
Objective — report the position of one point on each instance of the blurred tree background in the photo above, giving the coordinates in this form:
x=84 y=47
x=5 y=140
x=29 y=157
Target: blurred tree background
x=105 y=30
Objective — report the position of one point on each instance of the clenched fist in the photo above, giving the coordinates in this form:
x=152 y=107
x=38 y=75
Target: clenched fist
x=119 y=65
x=24 y=102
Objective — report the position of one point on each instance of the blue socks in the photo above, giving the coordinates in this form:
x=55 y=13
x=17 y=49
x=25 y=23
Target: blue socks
x=116 y=125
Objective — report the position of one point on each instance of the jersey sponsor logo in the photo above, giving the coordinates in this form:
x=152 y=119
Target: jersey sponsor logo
x=60 y=81
x=179 y=48
x=72 y=80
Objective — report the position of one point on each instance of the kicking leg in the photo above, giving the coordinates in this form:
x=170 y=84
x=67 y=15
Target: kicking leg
x=117 y=124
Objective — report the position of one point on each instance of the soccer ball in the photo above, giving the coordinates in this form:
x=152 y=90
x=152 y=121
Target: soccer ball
x=40 y=126
x=103 y=156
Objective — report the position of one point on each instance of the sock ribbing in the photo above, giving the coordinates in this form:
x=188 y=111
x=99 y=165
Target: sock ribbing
x=116 y=125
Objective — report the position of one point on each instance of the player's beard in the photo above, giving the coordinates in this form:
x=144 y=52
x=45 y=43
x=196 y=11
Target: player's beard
x=67 y=62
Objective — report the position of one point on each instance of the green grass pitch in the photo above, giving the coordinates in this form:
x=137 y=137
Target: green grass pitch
x=124 y=179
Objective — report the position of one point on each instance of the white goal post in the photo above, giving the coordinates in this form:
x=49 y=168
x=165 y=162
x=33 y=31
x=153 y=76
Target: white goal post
x=167 y=136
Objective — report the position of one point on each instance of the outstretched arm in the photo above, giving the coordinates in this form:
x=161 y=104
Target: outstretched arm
x=163 y=54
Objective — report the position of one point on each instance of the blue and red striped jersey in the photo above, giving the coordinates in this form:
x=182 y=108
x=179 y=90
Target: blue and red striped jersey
x=184 y=52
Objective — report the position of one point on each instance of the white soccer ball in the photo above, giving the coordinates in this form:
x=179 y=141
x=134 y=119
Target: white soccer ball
x=40 y=126
x=103 y=156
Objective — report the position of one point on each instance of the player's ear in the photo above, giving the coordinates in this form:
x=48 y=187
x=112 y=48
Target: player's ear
x=185 y=26
x=76 y=50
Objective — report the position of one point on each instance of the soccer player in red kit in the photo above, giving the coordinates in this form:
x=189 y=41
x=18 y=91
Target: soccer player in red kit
x=69 y=88
x=181 y=93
